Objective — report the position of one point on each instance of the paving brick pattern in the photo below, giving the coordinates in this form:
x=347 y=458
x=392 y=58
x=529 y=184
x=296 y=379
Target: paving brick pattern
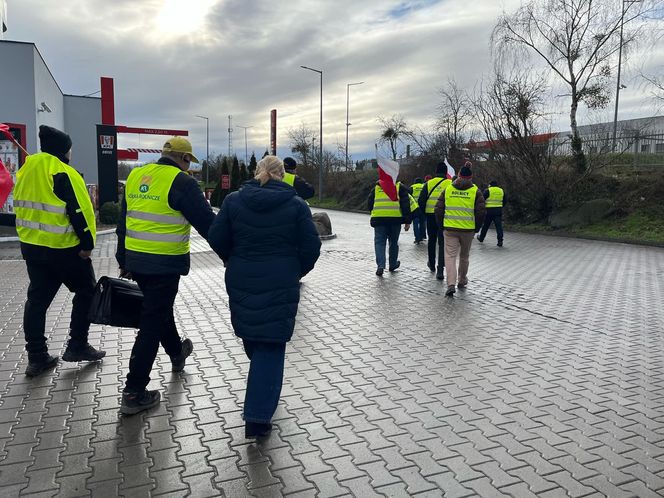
x=544 y=378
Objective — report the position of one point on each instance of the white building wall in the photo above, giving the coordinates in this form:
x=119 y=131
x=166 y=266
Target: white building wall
x=17 y=96
x=47 y=90
x=82 y=114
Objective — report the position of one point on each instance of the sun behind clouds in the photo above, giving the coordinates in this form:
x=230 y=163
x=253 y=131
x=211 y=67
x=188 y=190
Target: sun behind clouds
x=178 y=17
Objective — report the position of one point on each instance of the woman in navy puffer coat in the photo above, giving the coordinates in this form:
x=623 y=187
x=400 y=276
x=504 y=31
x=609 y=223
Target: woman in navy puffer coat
x=266 y=237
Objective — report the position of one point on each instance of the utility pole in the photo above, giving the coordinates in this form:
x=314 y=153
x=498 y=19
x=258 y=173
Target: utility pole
x=230 y=135
x=348 y=85
x=245 y=128
x=207 y=148
x=320 y=138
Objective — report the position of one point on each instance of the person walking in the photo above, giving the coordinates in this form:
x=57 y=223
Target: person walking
x=161 y=203
x=427 y=201
x=419 y=218
x=301 y=186
x=56 y=227
x=387 y=216
x=460 y=211
x=495 y=199
x=265 y=235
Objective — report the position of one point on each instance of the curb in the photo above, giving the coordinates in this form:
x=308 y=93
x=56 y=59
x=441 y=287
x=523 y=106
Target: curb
x=572 y=235
x=15 y=239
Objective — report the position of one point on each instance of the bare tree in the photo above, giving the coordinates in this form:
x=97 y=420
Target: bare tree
x=393 y=131
x=455 y=115
x=301 y=141
x=577 y=40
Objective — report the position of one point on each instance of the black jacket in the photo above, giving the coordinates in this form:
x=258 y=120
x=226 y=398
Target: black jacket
x=404 y=204
x=185 y=196
x=303 y=188
x=64 y=190
x=267 y=239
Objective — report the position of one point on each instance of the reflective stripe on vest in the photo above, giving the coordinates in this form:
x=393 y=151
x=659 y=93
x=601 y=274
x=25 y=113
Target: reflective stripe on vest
x=289 y=178
x=460 y=208
x=41 y=216
x=495 y=199
x=413 y=203
x=417 y=189
x=153 y=227
x=384 y=207
x=435 y=187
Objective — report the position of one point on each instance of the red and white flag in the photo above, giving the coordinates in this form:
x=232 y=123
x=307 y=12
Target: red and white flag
x=388 y=170
x=450 y=170
x=6 y=184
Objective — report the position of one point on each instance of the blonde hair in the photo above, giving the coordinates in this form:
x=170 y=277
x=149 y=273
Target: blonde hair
x=269 y=168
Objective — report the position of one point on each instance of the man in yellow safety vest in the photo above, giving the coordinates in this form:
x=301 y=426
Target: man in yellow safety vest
x=56 y=225
x=301 y=186
x=460 y=211
x=419 y=218
x=427 y=201
x=160 y=205
x=495 y=200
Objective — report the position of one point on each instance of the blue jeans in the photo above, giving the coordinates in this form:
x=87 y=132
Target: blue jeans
x=266 y=375
x=419 y=228
x=383 y=234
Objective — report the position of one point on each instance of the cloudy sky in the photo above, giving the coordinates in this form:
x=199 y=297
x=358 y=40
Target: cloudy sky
x=173 y=59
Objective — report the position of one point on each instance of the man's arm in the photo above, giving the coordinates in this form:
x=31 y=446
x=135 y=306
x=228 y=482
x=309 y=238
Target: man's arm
x=480 y=211
x=186 y=196
x=404 y=205
x=64 y=190
x=121 y=231
x=439 y=210
x=370 y=199
x=422 y=199
x=303 y=188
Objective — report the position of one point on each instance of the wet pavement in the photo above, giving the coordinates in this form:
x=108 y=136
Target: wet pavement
x=544 y=378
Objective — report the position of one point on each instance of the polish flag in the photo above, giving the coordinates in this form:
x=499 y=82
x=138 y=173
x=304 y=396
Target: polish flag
x=6 y=184
x=450 y=170
x=388 y=170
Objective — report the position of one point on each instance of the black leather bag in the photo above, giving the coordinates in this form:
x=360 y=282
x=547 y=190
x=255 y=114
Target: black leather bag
x=116 y=302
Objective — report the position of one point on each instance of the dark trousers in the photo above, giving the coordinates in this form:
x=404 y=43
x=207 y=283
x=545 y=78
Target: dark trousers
x=435 y=237
x=497 y=219
x=419 y=227
x=46 y=277
x=157 y=326
x=266 y=375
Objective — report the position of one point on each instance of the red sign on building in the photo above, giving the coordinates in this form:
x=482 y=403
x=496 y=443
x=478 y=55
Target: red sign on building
x=225 y=182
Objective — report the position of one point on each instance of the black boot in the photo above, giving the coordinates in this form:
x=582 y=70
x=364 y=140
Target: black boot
x=82 y=352
x=254 y=430
x=440 y=274
x=39 y=364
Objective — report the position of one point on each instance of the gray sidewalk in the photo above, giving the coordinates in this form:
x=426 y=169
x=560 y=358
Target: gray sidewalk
x=544 y=378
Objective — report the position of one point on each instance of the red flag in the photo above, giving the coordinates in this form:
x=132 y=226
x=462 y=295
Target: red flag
x=6 y=184
x=388 y=171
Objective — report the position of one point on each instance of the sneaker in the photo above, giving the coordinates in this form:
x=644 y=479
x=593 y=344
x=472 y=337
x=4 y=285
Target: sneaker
x=82 y=353
x=379 y=272
x=179 y=360
x=500 y=243
x=450 y=291
x=394 y=268
x=462 y=285
x=133 y=403
x=479 y=240
x=253 y=430
x=40 y=364
x=432 y=266
x=440 y=274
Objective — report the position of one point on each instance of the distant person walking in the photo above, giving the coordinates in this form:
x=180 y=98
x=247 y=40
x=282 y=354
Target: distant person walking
x=387 y=216
x=427 y=201
x=265 y=235
x=301 y=186
x=160 y=205
x=460 y=210
x=495 y=200
x=419 y=217
x=56 y=226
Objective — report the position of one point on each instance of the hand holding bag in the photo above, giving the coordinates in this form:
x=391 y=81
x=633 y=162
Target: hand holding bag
x=116 y=302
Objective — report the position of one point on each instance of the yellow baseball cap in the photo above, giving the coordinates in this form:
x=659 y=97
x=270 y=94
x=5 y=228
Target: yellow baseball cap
x=181 y=145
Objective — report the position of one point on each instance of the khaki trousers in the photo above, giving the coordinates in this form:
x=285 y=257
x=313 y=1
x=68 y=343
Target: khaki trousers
x=457 y=244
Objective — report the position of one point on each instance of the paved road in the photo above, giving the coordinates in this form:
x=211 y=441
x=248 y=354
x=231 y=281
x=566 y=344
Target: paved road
x=544 y=378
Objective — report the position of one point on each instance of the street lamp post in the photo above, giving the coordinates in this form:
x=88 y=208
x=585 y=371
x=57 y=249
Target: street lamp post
x=207 y=149
x=348 y=85
x=245 y=128
x=320 y=138
x=618 y=85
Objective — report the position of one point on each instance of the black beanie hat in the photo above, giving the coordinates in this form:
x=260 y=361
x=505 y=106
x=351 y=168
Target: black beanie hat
x=54 y=141
x=289 y=164
x=466 y=172
x=441 y=168
x=417 y=180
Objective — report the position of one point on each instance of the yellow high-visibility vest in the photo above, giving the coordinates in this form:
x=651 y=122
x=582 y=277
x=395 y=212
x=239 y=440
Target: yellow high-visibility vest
x=41 y=216
x=496 y=196
x=384 y=207
x=289 y=178
x=417 y=189
x=460 y=208
x=154 y=227
x=435 y=187
x=412 y=203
